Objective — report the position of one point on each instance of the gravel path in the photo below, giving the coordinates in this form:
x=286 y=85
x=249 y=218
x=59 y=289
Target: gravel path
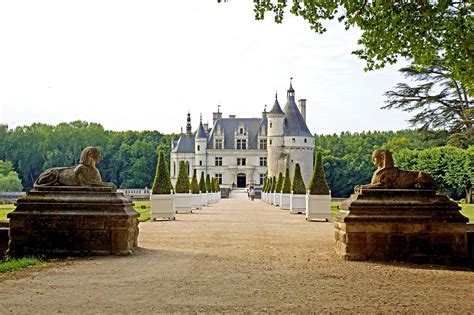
x=236 y=256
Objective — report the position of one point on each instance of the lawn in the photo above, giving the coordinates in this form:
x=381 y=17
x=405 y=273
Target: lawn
x=15 y=264
x=143 y=208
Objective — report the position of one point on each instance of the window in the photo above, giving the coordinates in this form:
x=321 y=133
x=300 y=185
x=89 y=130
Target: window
x=241 y=161
x=199 y=147
x=219 y=178
x=263 y=144
x=270 y=124
x=219 y=144
x=241 y=144
x=304 y=140
x=262 y=178
x=218 y=161
x=187 y=167
x=263 y=161
x=270 y=141
x=200 y=163
x=174 y=168
x=241 y=131
x=293 y=140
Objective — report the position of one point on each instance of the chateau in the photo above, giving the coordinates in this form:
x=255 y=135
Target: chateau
x=240 y=151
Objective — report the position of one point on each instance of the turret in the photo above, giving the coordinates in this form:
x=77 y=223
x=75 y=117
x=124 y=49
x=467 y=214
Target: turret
x=276 y=124
x=200 y=145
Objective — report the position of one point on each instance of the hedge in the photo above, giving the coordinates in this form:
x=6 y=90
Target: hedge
x=286 y=187
x=279 y=183
x=202 y=183
x=318 y=184
x=297 y=186
x=162 y=182
x=194 y=183
x=182 y=184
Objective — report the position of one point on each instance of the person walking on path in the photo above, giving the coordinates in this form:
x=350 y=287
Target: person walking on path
x=251 y=193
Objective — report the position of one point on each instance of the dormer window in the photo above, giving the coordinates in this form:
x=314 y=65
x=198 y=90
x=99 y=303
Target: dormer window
x=241 y=131
x=241 y=144
x=199 y=148
x=271 y=124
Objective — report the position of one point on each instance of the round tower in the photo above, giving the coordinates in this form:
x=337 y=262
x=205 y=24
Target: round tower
x=200 y=148
x=275 y=133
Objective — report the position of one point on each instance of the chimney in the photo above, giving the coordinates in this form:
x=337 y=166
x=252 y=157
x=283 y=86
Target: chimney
x=302 y=108
x=215 y=117
x=206 y=127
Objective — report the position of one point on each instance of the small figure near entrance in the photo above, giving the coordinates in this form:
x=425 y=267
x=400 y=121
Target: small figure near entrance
x=251 y=193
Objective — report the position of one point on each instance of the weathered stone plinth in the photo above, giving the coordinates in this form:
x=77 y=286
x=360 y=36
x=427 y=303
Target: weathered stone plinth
x=403 y=225
x=3 y=237
x=72 y=221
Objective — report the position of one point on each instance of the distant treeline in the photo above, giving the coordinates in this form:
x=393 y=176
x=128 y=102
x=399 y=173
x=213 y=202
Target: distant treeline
x=129 y=157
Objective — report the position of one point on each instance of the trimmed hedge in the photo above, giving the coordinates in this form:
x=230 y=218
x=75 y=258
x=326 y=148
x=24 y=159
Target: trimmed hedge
x=297 y=186
x=182 y=184
x=265 y=184
x=286 y=187
x=318 y=184
x=202 y=183
x=162 y=182
x=208 y=183
x=218 y=186
x=279 y=183
x=274 y=183
x=194 y=183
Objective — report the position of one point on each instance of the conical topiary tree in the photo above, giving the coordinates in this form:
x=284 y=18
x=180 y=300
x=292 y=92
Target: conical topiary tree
x=202 y=183
x=279 y=183
x=318 y=184
x=286 y=187
x=213 y=185
x=208 y=183
x=162 y=182
x=265 y=181
x=274 y=183
x=182 y=184
x=218 y=186
x=194 y=184
x=297 y=186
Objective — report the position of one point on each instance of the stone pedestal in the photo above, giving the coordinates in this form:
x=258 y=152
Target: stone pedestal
x=72 y=221
x=403 y=225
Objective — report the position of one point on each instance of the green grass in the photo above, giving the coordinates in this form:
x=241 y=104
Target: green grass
x=15 y=264
x=4 y=210
x=145 y=212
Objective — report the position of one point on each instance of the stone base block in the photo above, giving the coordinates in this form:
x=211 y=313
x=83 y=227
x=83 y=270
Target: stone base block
x=402 y=225
x=72 y=221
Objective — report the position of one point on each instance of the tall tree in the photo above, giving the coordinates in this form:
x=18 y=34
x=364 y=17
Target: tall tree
x=425 y=31
x=437 y=101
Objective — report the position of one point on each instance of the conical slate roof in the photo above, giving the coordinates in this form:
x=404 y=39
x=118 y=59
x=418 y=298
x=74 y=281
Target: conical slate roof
x=276 y=109
x=295 y=124
x=201 y=133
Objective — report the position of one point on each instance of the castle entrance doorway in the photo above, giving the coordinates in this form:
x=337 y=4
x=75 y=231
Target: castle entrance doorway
x=241 y=180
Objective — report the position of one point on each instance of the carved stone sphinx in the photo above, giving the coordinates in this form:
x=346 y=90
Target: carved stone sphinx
x=400 y=216
x=71 y=212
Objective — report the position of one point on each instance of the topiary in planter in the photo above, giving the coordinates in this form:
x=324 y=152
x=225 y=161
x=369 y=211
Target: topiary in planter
x=162 y=182
x=208 y=183
x=182 y=184
x=202 y=183
x=318 y=184
x=279 y=183
x=213 y=185
x=298 y=186
x=265 y=182
x=194 y=184
x=218 y=186
x=286 y=187
x=274 y=183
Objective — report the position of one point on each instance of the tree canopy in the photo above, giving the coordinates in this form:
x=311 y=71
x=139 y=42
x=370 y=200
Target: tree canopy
x=429 y=32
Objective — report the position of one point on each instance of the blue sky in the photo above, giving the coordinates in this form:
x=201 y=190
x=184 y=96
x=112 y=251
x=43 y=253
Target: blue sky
x=141 y=65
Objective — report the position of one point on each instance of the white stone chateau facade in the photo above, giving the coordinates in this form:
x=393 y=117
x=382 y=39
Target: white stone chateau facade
x=241 y=151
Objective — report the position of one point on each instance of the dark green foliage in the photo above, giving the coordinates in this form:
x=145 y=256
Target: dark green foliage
x=213 y=185
x=269 y=185
x=318 y=184
x=218 y=186
x=286 y=187
x=182 y=183
x=208 y=183
x=162 y=182
x=194 y=184
x=297 y=186
x=202 y=183
x=264 y=186
x=279 y=183
x=274 y=183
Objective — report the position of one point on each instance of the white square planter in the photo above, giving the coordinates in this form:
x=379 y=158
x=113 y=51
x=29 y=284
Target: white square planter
x=263 y=196
x=318 y=207
x=277 y=199
x=297 y=203
x=196 y=201
x=285 y=201
x=183 y=202
x=204 y=201
x=162 y=206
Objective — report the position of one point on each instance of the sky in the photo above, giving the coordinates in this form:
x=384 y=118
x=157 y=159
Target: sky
x=142 y=65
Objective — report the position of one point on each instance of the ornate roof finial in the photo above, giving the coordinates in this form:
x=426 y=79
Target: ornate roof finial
x=188 y=125
x=291 y=91
x=276 y=95
x=200 y=117
x=265 y=108
x=218 y=108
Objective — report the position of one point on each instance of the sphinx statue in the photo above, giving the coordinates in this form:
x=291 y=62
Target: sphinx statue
x=83 y=174
x=390 y=177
